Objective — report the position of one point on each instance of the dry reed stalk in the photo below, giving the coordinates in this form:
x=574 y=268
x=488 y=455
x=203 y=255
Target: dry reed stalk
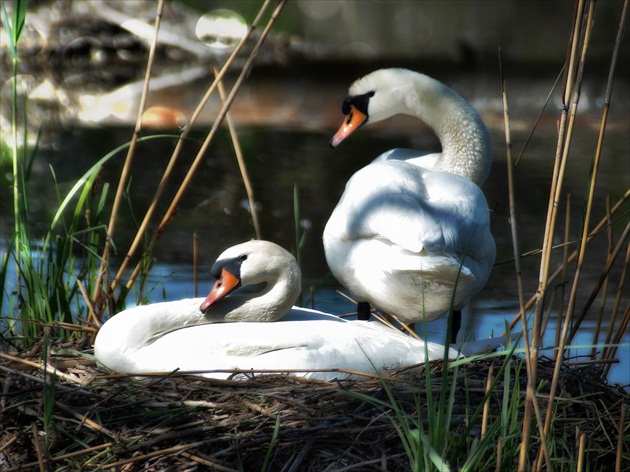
x=571 y=96
x=609 y=85
x=295 y=466
x=610 y=261
x=622 y=419
x=486 y=405
x=124 y=177
x=544 y=450
x=617 y=303
x=531 y=400
x=512 y=205
x=208 y=463
x=604 y=298
x=75 y=327
x=215 y=126
x=245 y=372
x=564 y=338
x=60 y=458
x=602 y=224
x=590 y=362
x=543 y=278
x=86 y=421
x=8 y=443
x=600 y=140
x=499 y=454
x=581 y=447
x=226 y=105
x=565 y=265
x=406 y=327
x=178 y=148
x=347 y=297
x=161 y=452
x=181 y=403
x=22 y=374
x=92 y=318
x=38 y=448
x=529 y=137
x=594 y=171
x=46 y=368
x=620 y=332
x=241 y=165
x=195 y=261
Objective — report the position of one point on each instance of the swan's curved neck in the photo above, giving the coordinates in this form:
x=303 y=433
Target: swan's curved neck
x=274 y=300
x=464 y=138
x=129 y=331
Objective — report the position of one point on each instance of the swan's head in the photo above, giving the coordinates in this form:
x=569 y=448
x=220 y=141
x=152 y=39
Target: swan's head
x=375 y=97
x=253 y=263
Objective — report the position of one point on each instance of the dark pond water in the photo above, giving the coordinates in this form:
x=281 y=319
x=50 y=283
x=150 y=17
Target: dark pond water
x=284 y=161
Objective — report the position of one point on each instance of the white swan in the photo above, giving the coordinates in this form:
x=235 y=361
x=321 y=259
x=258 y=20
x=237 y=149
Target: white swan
x=162 y=337
x=411 y=232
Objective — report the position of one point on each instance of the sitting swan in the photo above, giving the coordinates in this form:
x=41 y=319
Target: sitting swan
x=411 y=232
x=188 y=334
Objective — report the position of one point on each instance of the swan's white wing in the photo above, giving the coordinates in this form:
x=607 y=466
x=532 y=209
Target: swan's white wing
x=412 y=226
x=410 y=207
x=303 y=344
x=305 y=341
x=403 y=237
x=411 y=156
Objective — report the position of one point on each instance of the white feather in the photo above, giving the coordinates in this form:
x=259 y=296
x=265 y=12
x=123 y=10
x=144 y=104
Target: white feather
x=412 y=229
x=163 y=337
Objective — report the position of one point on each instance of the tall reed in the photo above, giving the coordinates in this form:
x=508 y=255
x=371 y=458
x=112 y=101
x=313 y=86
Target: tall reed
x=61 y=278
x=47 y=270
x=525 y=436
x=101 y=302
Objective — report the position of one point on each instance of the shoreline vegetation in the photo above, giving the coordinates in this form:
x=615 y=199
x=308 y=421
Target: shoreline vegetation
x=507 y=410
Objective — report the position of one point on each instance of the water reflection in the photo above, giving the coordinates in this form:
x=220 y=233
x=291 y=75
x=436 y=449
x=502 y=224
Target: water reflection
x=221 y=30
x=287 y=162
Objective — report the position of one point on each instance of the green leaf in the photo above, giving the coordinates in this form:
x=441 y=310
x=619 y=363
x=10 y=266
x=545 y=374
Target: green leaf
x=15 y=27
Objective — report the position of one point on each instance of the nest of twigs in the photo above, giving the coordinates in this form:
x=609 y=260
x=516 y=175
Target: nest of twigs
x=71 y=416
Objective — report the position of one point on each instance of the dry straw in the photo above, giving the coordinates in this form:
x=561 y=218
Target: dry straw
x=106 y=421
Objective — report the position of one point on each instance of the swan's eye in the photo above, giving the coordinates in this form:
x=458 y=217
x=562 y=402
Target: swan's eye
x=345 y=107
x=361 y=102
x=242 y=257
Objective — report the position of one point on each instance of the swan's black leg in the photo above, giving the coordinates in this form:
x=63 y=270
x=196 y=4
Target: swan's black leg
x=363 y=311
x=456 y=323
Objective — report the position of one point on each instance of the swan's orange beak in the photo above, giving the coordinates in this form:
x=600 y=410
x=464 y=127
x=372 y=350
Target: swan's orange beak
x=224 y=285
x=350 y=124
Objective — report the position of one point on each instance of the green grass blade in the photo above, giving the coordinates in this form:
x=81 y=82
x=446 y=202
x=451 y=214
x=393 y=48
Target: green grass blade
x=15 y=27
x=90 y=174
x=272 y=444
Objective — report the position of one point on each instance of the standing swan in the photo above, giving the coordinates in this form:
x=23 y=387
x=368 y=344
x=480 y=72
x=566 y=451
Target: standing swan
x=411 y=233
x=192 y=334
